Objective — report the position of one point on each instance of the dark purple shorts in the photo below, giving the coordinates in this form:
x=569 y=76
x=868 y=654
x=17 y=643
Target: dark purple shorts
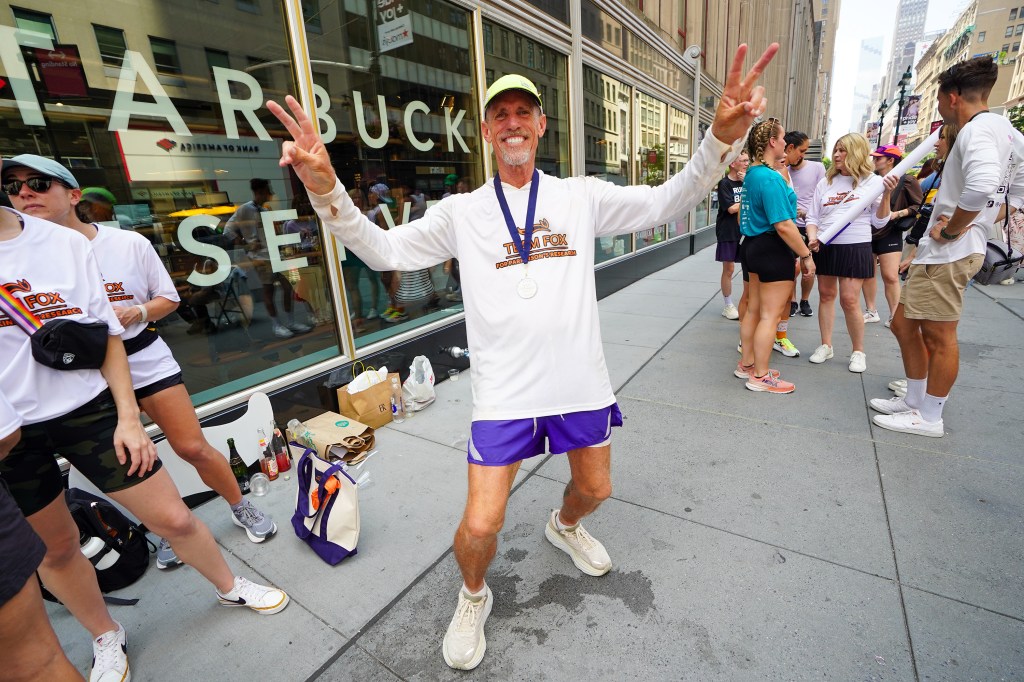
x=500 y=442
x=727 y=252
x=21 y=550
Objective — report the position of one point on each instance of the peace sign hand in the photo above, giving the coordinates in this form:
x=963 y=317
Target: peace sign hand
x=741 y=102
x=306 y=153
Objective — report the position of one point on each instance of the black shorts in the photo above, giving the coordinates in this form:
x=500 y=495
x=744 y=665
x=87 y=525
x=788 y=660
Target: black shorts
x=84 y=437
x=727 y=252
x=21 y=550
x=845 y=260
x=890 y=243
x=158 y=385
x=768 y=257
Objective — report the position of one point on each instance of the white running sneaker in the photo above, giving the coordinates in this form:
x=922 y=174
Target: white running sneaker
x=871 y=316
x=821 y=354
x=588 y=554
x=858 y=361
x=110 y=657
x=889 y=405
x=464 y=642
x=263 y=600
x=909 y=422
x=897 y=384
x=282 y=332
x=730 y=312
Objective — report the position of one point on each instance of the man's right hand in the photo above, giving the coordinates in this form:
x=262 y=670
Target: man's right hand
x=306 y=152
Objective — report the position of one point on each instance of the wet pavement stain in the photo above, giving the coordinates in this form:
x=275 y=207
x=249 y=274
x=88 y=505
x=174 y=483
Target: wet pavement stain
x=632 y=588
x=516 y=555
x=539 y=635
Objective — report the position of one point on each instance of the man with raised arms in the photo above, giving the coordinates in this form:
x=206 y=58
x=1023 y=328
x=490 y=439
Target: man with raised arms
x=525 y=244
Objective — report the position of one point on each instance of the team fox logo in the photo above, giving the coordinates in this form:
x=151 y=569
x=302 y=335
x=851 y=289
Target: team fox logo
x=21 y=285
x=541 y=225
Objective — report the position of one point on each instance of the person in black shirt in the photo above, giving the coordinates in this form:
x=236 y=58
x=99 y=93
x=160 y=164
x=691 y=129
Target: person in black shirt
x=727 y=228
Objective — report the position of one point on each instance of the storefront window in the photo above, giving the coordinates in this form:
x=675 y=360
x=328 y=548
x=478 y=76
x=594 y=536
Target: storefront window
x=678 y=156
x=652 y=119
x=603 y=29
x=398 y=112
x=559 y=9
x=169 y=118
x=553 y=151
x=606 y=126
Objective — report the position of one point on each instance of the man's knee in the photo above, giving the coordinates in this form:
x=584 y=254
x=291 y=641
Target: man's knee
x=482 y=526
x=194 y=450
x=938 y=337
x=599 y=489
x=62 y=548
x=174 y=522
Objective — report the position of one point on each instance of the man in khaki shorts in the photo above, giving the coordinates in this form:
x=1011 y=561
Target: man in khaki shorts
x=979 y=176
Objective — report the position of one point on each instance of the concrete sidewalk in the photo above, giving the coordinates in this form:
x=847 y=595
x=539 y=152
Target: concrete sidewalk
x=754 y=536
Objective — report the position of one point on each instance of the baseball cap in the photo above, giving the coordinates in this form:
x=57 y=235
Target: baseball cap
x=450 y=179
x=890 y=150
x=42 y=165
x=512 y=81
x=98 y=193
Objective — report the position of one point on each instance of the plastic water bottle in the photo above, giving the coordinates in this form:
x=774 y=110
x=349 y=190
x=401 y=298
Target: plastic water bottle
x=397 y=403
x=94 y=546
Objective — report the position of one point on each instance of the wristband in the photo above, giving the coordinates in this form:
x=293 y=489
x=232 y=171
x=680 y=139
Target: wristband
x=142 y=311
x=949 y=237
x=809 y=255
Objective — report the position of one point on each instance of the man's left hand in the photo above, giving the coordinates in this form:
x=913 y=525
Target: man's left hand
x=741 y=102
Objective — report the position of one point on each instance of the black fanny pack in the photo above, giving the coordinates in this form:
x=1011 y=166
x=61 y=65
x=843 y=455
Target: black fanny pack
x=66 y=344
x=146 y=339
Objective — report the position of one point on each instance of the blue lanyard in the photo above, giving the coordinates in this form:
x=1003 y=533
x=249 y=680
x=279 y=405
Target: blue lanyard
x=522 y=244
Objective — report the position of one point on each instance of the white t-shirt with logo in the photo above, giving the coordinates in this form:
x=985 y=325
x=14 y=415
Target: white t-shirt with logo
x=833 y=200
x=543 y=355
x=9 y=419
x=986 y=157
x=133 y=275
x=52 y=269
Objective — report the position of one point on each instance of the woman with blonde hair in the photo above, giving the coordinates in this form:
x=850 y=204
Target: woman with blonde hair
x=770 y=240
x=847 y=261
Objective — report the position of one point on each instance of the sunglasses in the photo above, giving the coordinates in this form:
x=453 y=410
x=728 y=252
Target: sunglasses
x=38 y=185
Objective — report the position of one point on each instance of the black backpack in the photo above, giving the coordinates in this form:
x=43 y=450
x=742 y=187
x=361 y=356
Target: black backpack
x=98 y=518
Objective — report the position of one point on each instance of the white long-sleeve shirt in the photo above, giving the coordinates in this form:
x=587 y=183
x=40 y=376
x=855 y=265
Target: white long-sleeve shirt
x=539 y=356
x=982 y=165
x=832 y=200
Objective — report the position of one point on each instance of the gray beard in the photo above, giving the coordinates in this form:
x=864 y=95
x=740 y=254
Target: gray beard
x=515 y=158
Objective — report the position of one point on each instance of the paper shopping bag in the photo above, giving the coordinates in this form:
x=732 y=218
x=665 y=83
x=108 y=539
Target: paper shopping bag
x=372 y=405
x=335 y=437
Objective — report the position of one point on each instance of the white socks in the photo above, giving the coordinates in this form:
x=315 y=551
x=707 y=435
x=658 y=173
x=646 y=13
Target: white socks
x=474 y=595
x=728 y=300
x=915 y=392
x=931 y=408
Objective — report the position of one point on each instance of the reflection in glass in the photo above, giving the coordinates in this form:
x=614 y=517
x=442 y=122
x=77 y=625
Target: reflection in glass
x=398 y=112
x=548 y=73
x=678 y=156
x=606 y=123
x=652 y=117
x=178 y=146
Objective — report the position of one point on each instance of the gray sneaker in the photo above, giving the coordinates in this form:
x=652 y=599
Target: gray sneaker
x=165 y=556
x=258 y=526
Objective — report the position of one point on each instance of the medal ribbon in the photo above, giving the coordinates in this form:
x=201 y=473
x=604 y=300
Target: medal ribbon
x=522 y=244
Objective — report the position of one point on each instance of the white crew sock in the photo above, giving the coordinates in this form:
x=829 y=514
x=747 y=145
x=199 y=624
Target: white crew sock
x=728 y=300
x=931 y=408
x=915 y=392
x=474 y=595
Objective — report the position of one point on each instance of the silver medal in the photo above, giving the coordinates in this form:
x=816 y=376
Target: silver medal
x=527 y=287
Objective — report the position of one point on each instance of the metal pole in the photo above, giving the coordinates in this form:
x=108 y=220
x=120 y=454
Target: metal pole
x=881 y=119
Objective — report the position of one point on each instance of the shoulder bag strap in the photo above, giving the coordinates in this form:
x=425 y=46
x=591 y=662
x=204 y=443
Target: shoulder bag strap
x=19 y=312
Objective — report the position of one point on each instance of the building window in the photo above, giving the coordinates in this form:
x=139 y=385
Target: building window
x=250 y=6
x=1009 y=32
x=217 y=58
x=37 y=22
x=111 y=44
x=311 y=16
x=1006 y=48
x=165 y=56
x=1020 y=29
x=981 y=37
x=488 y=39
x=255 y=68
x=1013 y=14
x=1016 y=47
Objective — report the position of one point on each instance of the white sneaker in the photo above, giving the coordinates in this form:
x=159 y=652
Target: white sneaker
x=110 y=657
x=897 y=384
x=730 y=312
x=909 y=422
x=889 y=405
x=263 y=600
x=821 y=354
x=588 y=554
x=299 y=328
x=464 y=642
x=871 y=316
x=858 y=361
x=283 y=332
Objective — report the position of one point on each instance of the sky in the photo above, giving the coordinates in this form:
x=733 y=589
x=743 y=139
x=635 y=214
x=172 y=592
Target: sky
x=860 y=19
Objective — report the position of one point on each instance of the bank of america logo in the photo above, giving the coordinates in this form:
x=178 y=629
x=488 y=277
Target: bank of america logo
x=166 y=145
